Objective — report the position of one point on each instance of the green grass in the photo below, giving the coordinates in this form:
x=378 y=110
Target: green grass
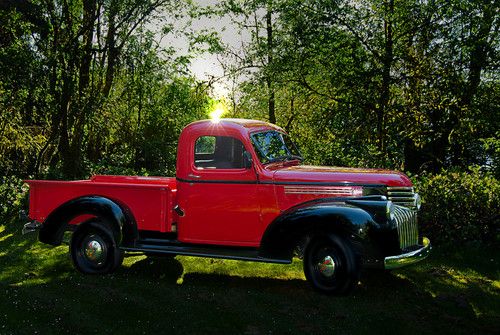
x=455 y=291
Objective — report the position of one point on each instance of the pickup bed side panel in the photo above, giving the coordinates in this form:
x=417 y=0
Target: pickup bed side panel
x=150 y=204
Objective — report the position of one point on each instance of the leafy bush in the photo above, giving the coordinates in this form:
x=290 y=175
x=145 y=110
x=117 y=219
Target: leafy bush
x=460 y=206
x=13 y=196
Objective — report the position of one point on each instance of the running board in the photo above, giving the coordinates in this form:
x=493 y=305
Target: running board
x=203 y=251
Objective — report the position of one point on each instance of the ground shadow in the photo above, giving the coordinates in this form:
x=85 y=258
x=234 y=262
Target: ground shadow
x=155 y=294
x=276 y=285
x=168 y=269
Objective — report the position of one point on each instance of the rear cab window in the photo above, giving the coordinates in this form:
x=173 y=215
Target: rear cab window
x=218 y=152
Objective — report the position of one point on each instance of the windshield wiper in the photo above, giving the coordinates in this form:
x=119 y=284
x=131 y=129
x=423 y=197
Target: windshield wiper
x=295 y=157
x=285 y=158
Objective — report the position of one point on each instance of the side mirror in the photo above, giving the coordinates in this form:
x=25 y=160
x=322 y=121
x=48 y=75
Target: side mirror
x=247 y=160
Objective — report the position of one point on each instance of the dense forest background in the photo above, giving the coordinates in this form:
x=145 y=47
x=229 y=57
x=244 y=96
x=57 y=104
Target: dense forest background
x=86 y=87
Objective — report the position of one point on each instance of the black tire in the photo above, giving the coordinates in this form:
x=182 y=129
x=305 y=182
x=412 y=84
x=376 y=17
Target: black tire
x=93 y=249
x=331 y=265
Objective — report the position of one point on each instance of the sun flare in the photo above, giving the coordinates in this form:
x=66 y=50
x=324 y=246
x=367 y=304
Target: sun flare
x=217 y=112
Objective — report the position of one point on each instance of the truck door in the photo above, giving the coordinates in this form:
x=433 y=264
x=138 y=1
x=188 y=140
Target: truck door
x=219 y=196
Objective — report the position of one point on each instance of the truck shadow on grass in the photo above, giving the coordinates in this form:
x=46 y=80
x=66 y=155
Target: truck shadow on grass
x=374 y=286
x=407 y=300
x=449 y=293
x=171 y=270
x=166 y=269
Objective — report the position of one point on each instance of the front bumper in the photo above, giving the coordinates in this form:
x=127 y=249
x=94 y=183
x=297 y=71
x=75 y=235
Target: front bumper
x=394 y=262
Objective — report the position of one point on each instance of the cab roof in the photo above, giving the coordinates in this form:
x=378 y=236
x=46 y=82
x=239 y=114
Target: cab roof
x=249 y=125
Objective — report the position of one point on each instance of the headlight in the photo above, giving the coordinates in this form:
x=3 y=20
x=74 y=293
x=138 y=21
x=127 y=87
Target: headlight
x=418 y=201
x=389 y=211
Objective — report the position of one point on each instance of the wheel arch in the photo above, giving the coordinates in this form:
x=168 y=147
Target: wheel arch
x=308 y=219
x=119 y=216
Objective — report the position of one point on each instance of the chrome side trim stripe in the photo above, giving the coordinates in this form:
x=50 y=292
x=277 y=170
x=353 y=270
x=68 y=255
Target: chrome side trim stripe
x=337 y=190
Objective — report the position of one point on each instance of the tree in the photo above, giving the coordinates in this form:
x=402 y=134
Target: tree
x=256 y=24
x=395 y=83
x=67 y=66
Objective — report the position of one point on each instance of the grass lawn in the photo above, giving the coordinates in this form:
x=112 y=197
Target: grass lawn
x=456 y=291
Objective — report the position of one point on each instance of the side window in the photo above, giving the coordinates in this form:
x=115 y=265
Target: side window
x=218 y=152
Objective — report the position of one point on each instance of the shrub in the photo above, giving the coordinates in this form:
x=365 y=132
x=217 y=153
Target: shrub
x=13 y=196
x=460 y=206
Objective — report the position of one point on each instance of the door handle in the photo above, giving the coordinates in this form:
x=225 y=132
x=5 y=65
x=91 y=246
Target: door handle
x=193 y=175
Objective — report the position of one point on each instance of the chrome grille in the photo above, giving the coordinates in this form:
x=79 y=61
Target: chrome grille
x=406 y=221
x=402 y=196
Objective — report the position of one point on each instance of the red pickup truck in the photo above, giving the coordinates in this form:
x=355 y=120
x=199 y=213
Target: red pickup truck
x=240 y=192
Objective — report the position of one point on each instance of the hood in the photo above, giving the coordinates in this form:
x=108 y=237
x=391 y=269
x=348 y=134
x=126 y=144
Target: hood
x=322 y=174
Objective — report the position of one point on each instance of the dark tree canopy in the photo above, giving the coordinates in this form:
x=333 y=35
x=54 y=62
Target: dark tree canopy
x=86 y=87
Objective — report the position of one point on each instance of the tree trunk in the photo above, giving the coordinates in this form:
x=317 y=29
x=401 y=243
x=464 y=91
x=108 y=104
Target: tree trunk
x=89 y=17
x=69 y=160
x=386 y=77
x=72 y=118
x=478 y=60
x=112 y=49
x=270 y=86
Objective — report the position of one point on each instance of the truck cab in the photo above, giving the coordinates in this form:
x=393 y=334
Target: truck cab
x=241 y=191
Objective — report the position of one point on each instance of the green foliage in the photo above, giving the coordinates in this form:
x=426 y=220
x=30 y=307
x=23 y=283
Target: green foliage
x=492 y=150
x=400 y=84
x=205 y=145
x=460 y=206
x=13 y=197
x=21 y=96
x=85 y=87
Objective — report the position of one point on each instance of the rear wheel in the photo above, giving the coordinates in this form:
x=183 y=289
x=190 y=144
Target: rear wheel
x=331 y=265
x=93 y=249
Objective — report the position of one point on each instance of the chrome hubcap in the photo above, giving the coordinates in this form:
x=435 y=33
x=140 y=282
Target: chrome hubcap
x=94 y=250
x=326 y=266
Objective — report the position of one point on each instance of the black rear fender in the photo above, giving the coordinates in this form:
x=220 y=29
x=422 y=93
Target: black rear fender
x=119 y=217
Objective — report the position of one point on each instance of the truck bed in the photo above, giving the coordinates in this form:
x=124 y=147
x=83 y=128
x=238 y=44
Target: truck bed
x=150 y=199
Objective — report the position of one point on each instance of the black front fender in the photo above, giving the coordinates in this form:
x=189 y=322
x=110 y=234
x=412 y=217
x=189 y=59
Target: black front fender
x=118 y=215
x=316 y=217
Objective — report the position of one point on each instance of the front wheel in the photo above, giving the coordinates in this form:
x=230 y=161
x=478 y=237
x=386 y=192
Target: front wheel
x=93 y=249
x=330 y=265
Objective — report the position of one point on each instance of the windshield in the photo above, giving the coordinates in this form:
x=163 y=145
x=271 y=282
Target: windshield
x=273 y=146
